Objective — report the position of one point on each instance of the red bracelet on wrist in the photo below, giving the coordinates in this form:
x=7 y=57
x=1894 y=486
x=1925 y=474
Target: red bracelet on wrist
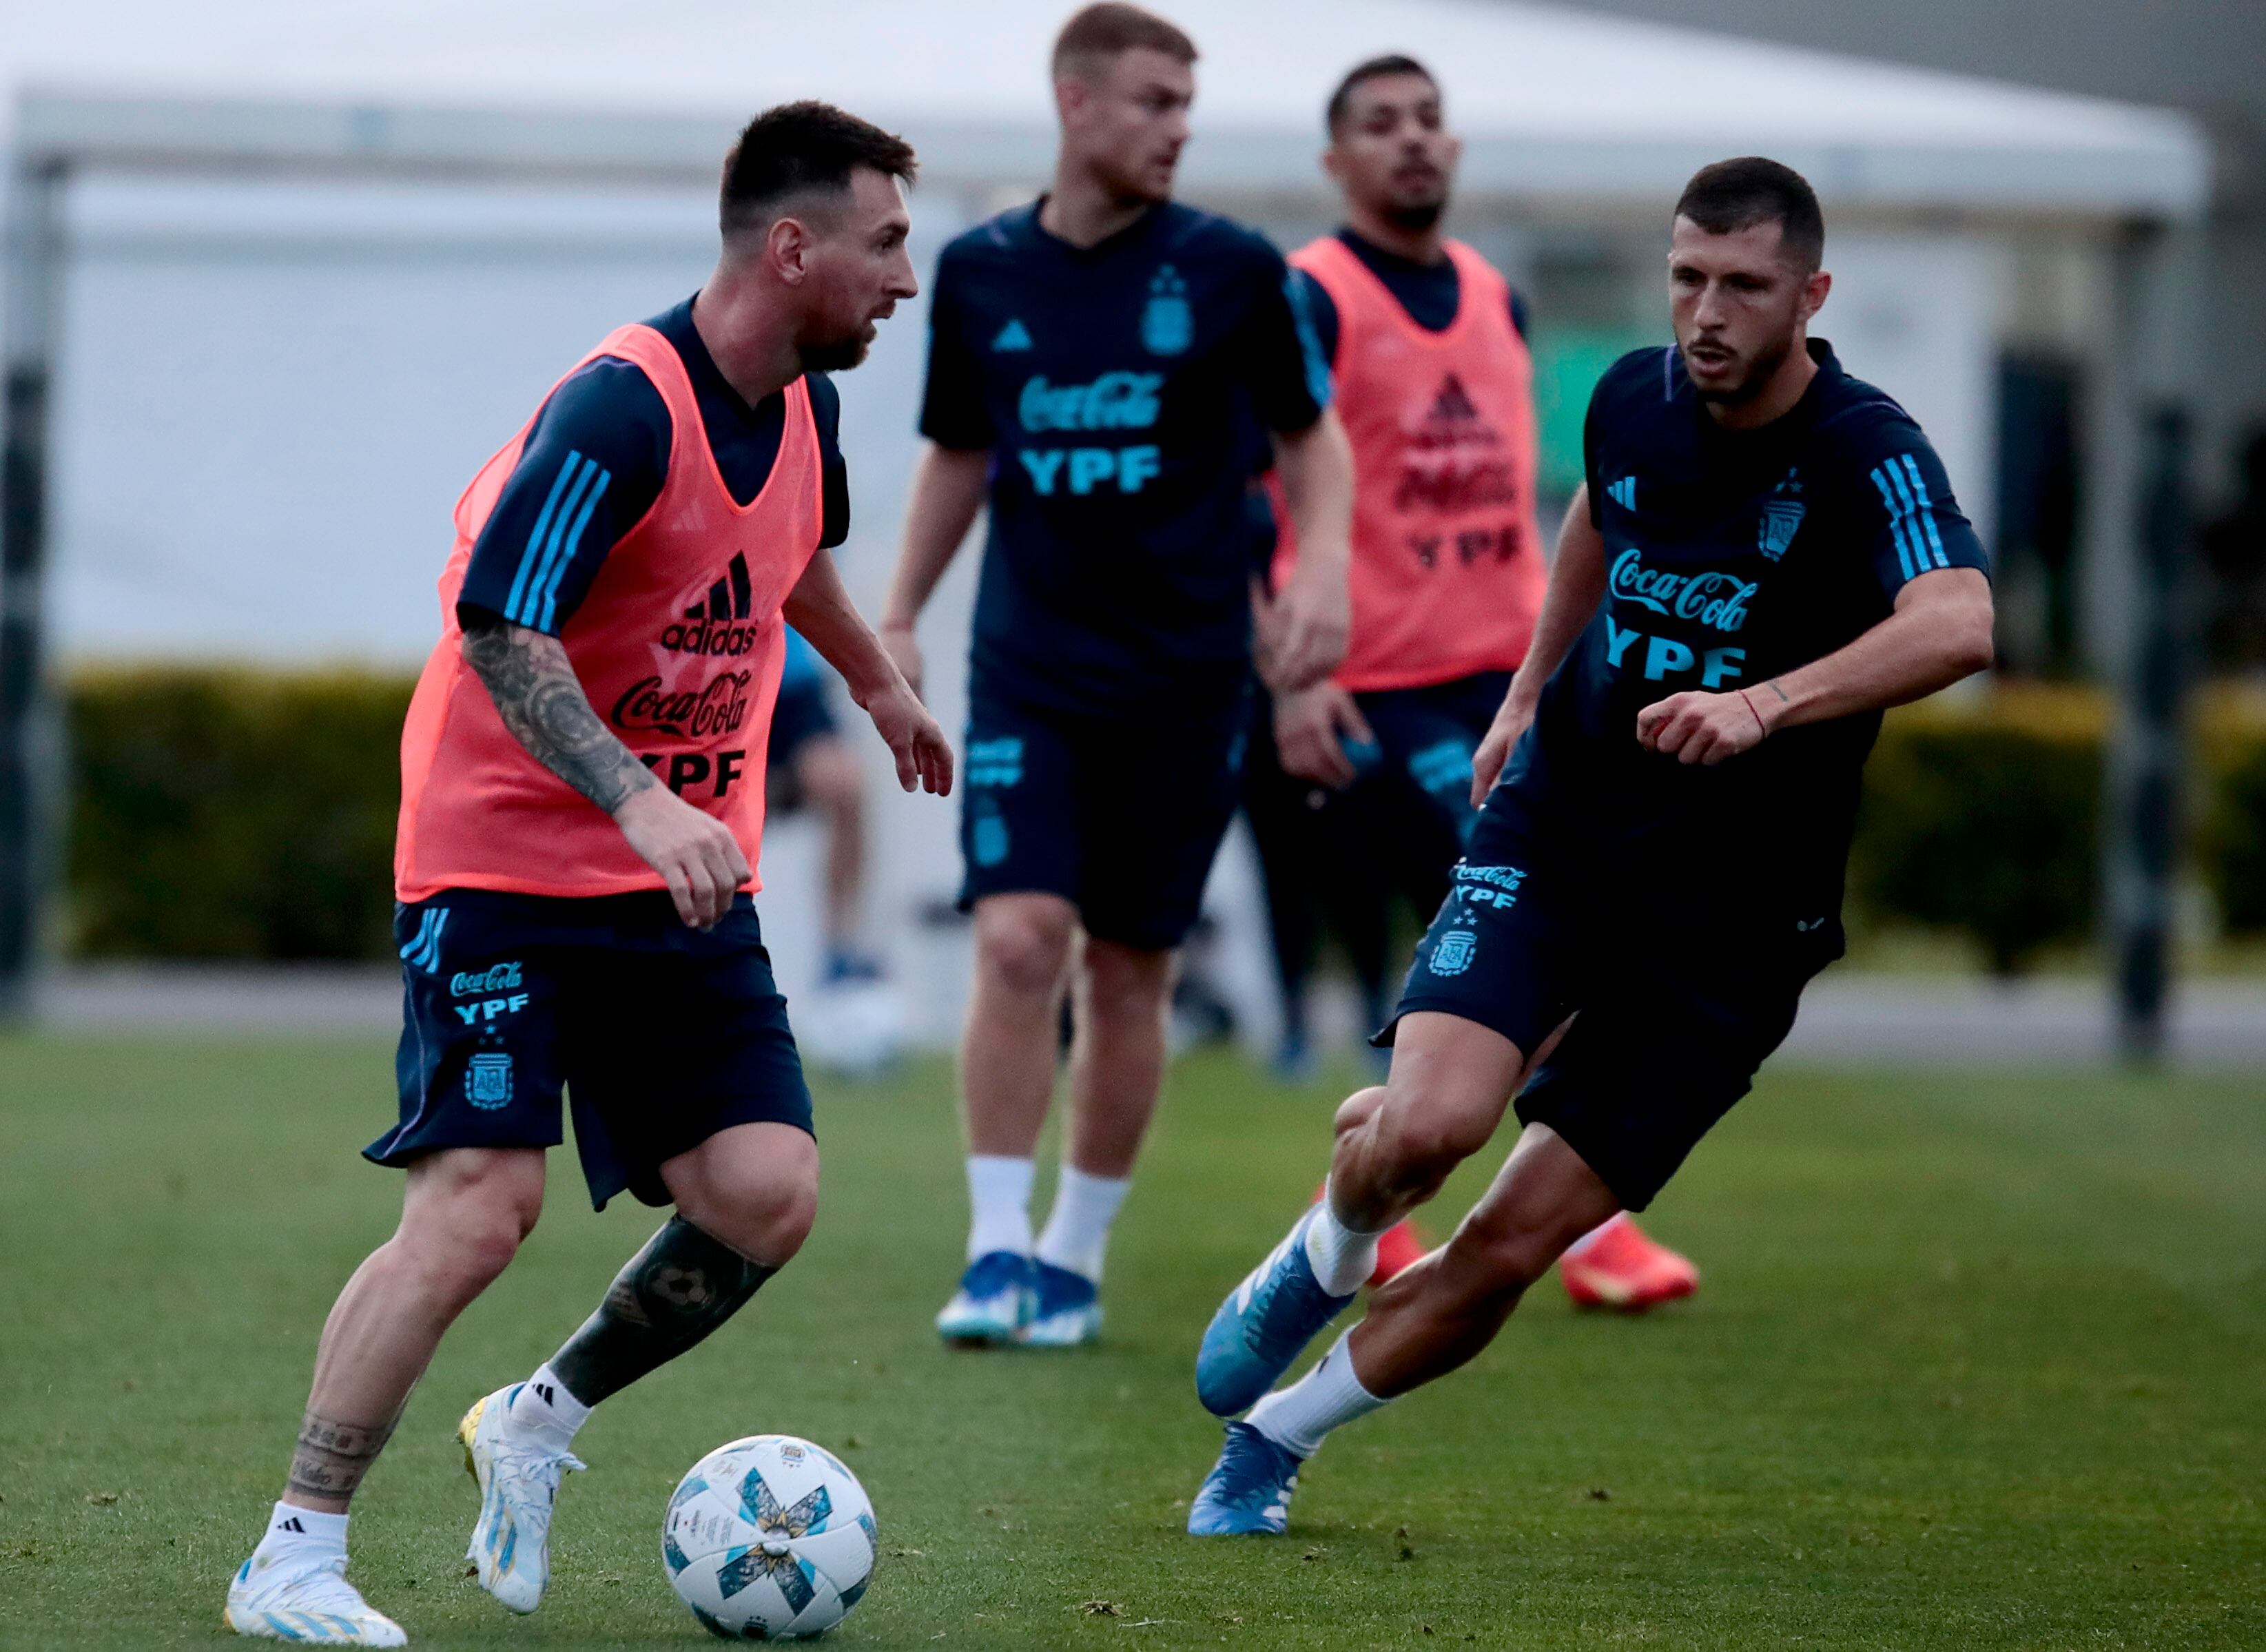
x=1757 y=716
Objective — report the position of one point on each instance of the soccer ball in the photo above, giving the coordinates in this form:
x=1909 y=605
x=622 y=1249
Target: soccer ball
x=769 y=1537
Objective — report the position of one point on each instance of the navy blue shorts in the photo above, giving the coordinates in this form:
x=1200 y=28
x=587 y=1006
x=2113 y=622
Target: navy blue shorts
x=1120 y=820
x=803 y=714
x=1673 y=1014
x=659 y=1034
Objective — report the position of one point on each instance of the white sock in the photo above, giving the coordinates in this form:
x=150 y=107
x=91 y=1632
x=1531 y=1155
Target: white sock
x=292 y=1529
x=543 y=1408
x=1340 y=1257
x=999 y=1195
x=1594 y=1233
x=1295 y=1418
x=1077 y=1228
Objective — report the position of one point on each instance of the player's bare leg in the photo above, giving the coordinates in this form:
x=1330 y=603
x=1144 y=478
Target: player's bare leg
x=827 y=771
x=1397 y=1143
x=1450 y=1082
x=1441 y=1313
x=1024 y=943
x=1118 y=996
x=463 y=1213
x=745 y=1199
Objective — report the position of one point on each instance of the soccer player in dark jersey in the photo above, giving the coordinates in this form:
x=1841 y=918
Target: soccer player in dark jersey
x=1434 y=384
x=1097 y=362
x=582 y=780
x=1764 y=554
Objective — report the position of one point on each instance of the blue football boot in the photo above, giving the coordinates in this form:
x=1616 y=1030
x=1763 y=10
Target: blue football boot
x=1261 y=1327
x=1249 y=1491
x=1065 y=1309
x=992 y=1303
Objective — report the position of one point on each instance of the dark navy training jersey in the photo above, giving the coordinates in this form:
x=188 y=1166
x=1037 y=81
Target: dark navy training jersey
x=1115 y=387
x=1732 y=557
x=592 y=465
x=1430 y=293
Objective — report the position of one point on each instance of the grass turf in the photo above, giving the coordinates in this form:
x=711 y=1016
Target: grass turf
x=1978 y=1363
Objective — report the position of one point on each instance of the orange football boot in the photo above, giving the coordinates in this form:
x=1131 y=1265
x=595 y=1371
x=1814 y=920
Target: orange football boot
x=1397 y=1247
x=1620 y=1269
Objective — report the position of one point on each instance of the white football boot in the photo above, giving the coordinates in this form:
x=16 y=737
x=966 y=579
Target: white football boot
x=306 y=1598
x=519 y=1483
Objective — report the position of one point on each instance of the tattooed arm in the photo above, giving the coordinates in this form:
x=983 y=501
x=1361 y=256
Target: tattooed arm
x=541 y=701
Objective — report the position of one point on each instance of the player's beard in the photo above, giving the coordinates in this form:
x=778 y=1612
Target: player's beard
x=835 y=356
x=1415 y=217
x=1758 y=374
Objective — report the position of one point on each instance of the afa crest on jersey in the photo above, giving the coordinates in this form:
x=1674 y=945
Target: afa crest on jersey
x=1780 y=518
x=1168 y=325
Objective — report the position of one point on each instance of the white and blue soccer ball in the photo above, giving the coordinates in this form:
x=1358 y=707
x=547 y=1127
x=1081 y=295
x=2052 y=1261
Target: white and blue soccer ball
x=768 y=1539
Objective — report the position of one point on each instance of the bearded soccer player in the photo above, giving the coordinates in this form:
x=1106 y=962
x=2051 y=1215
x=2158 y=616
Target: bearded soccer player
x=1097 y=362
x=1764 y=554
x=1434 y=384
x=582 y=784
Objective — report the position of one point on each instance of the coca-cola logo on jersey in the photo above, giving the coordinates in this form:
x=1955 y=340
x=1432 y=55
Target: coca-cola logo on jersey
x=717 y=707
x=1453 y=486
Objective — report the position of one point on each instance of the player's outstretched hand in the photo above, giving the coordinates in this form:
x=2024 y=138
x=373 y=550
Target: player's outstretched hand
x=1510 y=723
x=924 y=755
x=1696 y=726
x=695 y=853
x=1311 y=730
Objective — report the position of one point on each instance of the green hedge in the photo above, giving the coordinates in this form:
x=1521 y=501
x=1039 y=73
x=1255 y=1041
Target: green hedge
x=1984 y=825
x=235 y=814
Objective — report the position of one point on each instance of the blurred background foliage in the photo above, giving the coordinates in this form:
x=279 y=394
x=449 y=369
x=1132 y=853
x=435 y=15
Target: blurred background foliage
x=235 y=814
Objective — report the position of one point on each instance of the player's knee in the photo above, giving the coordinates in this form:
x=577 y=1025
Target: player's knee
x=1426 y=1140
x=1359 y=1108
x=467 y=1209
x=762 y=1203
x=1024 y=948
x=1120 y=986
x=831 y=776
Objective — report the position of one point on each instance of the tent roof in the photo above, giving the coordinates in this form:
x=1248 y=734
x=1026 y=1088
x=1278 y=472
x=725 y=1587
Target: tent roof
x=1554 y=104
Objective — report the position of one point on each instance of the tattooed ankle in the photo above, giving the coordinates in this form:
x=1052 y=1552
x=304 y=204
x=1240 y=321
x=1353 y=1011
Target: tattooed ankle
x=333 y=1456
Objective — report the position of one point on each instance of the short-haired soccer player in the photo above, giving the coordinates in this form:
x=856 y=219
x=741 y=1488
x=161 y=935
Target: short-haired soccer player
x=1098 y=362
x=1764 y=554
x=582 y=784
x=1434 y=384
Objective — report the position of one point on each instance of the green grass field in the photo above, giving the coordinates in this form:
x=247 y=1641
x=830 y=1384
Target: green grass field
x=1980 y=1362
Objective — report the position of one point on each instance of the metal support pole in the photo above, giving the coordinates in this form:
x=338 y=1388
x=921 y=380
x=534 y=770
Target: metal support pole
x=34 y=260
x=2145 y=766
x=2144 y=523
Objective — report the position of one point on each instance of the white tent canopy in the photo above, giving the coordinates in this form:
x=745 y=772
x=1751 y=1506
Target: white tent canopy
x=1555 y=103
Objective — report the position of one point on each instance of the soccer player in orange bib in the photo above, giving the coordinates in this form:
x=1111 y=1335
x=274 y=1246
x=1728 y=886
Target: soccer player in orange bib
x=1434 y=384
x=582 y=799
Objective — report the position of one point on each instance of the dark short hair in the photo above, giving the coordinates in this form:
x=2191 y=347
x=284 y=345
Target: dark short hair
x=1737 y=195
x=798 y=147
x=1334 y=112
x=1096 y=33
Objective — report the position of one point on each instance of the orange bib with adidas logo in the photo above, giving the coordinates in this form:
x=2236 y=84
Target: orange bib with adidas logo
x=1447 y=569
x=678 y=645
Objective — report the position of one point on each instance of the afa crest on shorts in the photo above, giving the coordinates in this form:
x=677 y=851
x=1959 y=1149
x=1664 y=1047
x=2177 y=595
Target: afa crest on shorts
x=1168 y=325
x=1452 y=955
x=487 y=1080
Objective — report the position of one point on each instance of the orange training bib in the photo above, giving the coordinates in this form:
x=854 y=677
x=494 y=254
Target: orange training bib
x=678 y=645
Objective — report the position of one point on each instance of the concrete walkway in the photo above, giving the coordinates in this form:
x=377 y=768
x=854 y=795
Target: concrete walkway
x=1845 y=1017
